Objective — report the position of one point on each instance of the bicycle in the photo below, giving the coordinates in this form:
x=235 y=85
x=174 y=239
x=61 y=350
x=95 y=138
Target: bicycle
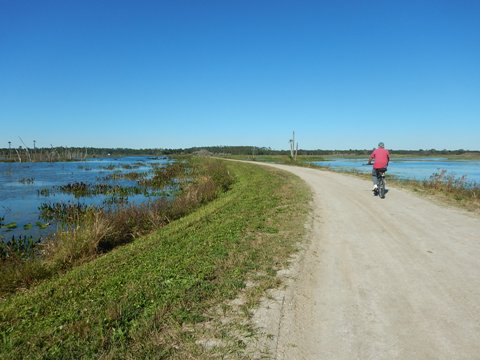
x=381 y=182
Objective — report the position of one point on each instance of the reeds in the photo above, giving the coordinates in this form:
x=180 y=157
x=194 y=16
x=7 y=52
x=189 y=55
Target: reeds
x=451 y=189
x=458 y=187
x=81 y=189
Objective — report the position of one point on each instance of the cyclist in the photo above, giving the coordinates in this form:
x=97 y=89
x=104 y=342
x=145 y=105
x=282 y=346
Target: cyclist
x=381 y=158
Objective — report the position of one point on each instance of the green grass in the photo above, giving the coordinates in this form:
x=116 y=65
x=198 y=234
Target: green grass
x=145 y=299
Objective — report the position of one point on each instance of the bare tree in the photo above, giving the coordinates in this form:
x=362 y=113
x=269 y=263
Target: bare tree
x=26 y=150
x=18 y=154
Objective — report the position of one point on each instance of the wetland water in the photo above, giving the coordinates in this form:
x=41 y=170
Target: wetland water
x=24 y=187
x=413 y=168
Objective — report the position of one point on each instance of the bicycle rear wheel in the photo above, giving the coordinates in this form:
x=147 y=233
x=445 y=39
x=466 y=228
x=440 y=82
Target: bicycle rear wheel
x=381 y=187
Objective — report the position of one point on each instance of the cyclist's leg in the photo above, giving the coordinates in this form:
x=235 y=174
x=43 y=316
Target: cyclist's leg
x=374 y=178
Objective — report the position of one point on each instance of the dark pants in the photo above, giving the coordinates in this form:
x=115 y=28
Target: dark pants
x=374 y=175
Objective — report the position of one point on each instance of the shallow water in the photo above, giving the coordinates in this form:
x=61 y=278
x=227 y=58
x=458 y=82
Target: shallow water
x=414 y=168
x=20 y=200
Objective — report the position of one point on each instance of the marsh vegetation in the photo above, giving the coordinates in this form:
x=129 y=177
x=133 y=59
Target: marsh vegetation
x=85 y=230
x=28 y=189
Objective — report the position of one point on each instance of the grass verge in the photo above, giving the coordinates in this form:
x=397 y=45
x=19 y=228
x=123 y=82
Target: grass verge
x=142 y=300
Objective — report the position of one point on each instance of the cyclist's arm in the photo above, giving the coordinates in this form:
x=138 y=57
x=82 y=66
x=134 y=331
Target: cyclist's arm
x=370 y=159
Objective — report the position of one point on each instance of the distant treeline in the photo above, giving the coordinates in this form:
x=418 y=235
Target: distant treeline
x=78 y=153
x=252 y=150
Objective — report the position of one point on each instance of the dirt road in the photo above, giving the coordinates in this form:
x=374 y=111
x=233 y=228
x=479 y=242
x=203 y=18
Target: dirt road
x=397 y=278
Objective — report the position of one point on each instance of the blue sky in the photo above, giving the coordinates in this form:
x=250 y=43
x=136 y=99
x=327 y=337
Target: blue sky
x=181 y=73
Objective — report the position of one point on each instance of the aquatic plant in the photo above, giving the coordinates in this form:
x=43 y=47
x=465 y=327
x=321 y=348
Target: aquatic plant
x=77 y=189
x=10 y=226
x=109 y=167
x=64 y=213
x=115 y=200
x=133 y=176
x=163 y=176
x=29 y=180
x=127 y=176
x=114 y=176
x=41 y=225
x=44 y=192
x=84 y=167
x=80 y=189
x=20 y=246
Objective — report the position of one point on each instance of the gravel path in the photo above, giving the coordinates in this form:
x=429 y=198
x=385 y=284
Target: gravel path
x=397 y=278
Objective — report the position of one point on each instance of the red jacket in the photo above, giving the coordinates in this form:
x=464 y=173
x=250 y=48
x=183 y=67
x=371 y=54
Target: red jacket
x=381 y=157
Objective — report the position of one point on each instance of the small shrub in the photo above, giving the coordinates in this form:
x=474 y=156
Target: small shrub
x=218 y=172
x=456 y=188
x=76 y=243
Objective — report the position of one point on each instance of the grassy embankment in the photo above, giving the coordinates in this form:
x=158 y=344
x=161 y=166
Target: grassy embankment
x=164 y=295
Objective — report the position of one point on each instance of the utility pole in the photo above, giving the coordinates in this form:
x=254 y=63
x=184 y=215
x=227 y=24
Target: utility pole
x=293 y=146
x=34 y=148
x=292 y=141
x=9 y=150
